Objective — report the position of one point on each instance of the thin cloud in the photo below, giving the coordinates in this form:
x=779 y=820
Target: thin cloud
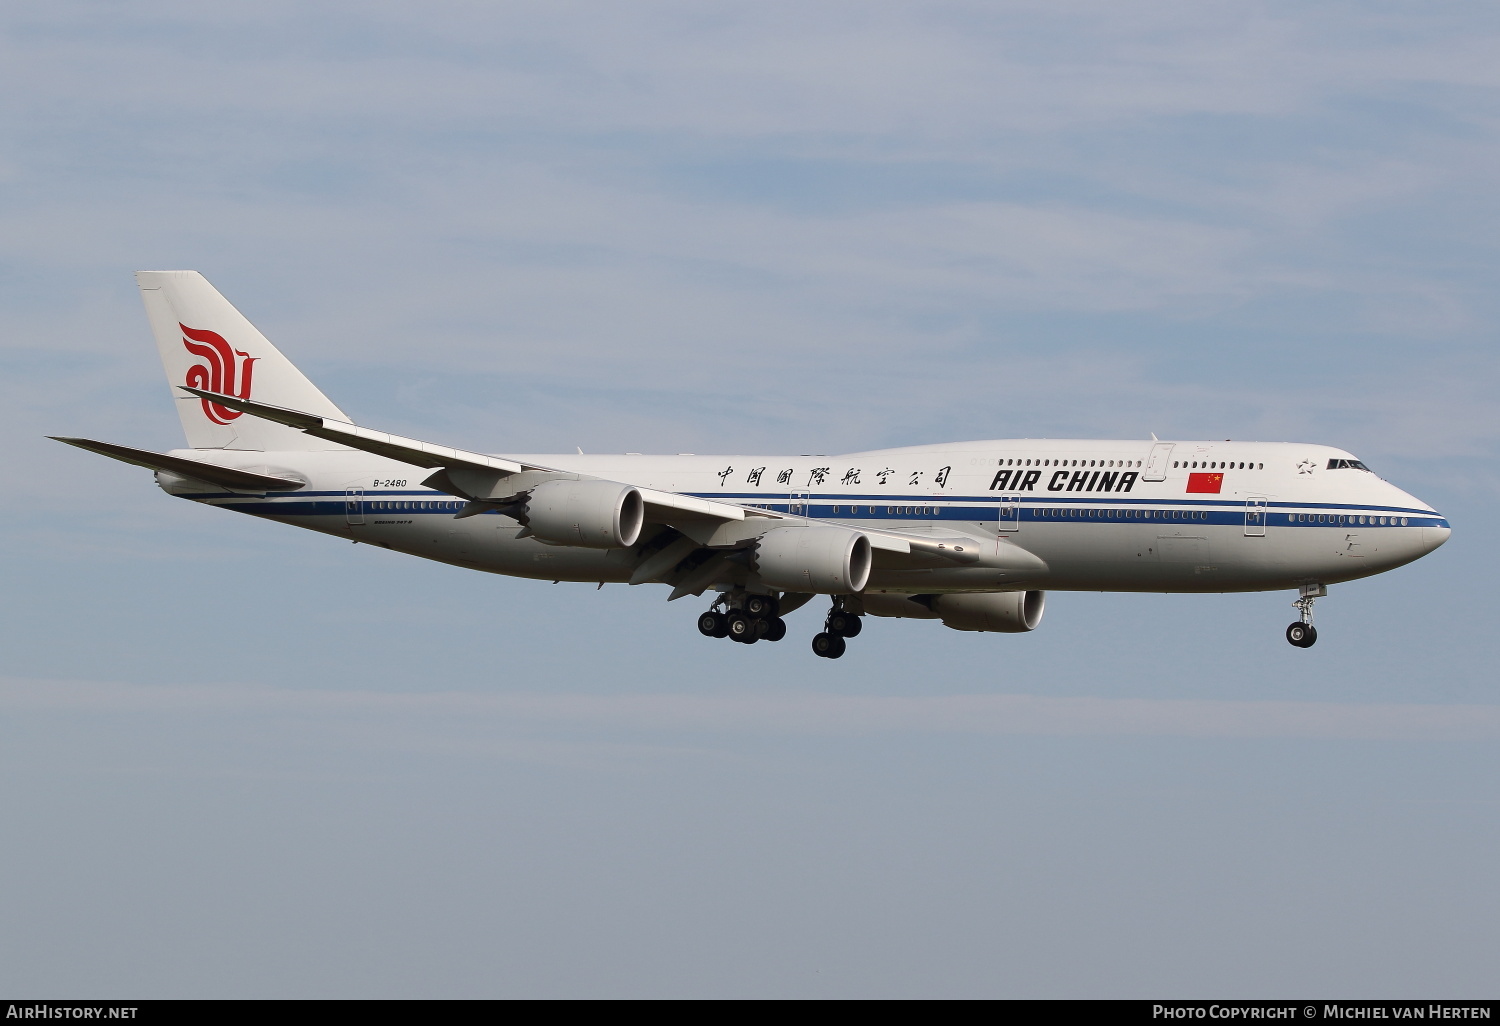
x=785 y=712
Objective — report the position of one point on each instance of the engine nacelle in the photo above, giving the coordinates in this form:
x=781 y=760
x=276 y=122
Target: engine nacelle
x=1005 y=612
x=822 y=560
x=594 y=514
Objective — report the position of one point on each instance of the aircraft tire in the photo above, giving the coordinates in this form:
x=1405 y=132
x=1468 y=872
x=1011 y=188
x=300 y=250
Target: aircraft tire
x=829 y=646
x=1303 y=635
x=713 y=625
x=845 y=624
x=760 y=605
x=775 y=629
x=742 y=629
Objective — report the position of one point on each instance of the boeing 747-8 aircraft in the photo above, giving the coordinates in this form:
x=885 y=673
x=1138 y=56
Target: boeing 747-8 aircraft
x=969 y=533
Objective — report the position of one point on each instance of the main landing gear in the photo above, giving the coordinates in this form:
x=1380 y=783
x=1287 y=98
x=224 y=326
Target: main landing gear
x=746 y=618
x=841 y=624
x=1302 y=633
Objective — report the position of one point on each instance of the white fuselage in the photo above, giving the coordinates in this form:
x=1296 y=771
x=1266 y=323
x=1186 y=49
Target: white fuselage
x=1097 y=515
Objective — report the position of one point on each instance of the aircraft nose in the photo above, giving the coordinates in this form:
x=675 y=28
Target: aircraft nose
x=1432 y=537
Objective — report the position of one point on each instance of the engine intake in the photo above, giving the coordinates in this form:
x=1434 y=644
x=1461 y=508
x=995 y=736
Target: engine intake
x=594 y=514
x=822 y=560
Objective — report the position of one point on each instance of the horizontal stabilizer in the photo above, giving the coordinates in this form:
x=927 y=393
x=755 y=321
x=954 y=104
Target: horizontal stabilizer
x=238 y=480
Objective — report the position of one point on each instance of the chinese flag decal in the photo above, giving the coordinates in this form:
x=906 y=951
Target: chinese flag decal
x=1207 y=483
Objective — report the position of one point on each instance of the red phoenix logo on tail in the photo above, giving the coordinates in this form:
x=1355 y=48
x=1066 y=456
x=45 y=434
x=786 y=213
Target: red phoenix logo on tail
x=218 y=371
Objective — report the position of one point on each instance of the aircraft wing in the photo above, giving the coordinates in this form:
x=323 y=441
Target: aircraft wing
x=474 y=476
x=471 y=475
x=403 y=450
x=706 y=527
x=671 y=507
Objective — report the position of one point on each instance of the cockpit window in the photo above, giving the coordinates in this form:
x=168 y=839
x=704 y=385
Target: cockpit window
x=1347 y=465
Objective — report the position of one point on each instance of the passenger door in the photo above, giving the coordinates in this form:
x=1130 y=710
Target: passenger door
x=1156 y=464
x=354 y=506
x=1010 y=515
x=1255 y=517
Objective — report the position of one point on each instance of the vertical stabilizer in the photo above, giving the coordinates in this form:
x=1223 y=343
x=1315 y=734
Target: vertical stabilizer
x=206 y=343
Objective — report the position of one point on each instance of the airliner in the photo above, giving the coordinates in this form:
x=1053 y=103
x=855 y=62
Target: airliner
x=971 y=534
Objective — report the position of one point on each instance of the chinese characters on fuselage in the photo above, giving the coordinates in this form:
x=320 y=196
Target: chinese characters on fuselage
x=818 y=476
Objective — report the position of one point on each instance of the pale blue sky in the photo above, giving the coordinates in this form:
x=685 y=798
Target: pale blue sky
x=243 y=760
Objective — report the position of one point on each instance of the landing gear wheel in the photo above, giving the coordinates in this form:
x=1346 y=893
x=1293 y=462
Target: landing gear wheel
x=760 y=605
x=1303 y=635
x=829 y=646
x=742 y=629
x=775 y=629
x=845 y=625
x=713 y=625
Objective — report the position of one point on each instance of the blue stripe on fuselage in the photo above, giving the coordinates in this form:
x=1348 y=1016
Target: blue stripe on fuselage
x=1030 y=510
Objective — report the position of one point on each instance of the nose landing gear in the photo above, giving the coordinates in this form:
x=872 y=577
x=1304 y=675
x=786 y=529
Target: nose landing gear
x=1302 y=633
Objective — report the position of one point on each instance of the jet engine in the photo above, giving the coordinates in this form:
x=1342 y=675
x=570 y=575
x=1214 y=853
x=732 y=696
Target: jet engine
x=822 y=560
x=594 y=514
x=1003 y=612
